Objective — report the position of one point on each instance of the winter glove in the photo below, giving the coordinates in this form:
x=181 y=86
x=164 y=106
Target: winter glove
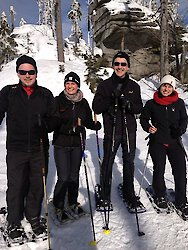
x=125 y=104
x=176 y=132
x=118 y=91
x=97 y=126
x=79 y=129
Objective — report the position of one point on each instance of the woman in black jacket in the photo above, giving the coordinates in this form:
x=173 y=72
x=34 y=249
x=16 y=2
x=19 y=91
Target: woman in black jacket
x=168 y=123
x=67 y=145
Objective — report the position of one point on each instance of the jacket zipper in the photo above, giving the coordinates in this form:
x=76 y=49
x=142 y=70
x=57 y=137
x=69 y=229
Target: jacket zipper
x=29 y=127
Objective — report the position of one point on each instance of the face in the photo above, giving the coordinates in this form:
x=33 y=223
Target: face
x=120 y=69
x=166 y=89
x=27 y=74
x=71 y=88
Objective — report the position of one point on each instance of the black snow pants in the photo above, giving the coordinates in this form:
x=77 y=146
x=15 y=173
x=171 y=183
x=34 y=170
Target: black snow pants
x=25 y=184
x=128 y=165
x=176 y=157
x=68 y=161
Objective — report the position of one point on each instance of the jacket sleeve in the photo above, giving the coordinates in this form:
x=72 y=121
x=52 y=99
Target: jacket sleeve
x=136 y=105
x=52 y=120
x=145 y=117
x=101 y=101
x=183 y=117
x=88 y=123
x=4 y=102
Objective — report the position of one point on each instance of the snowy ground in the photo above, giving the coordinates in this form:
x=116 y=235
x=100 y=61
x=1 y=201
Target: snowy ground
x=161 y=231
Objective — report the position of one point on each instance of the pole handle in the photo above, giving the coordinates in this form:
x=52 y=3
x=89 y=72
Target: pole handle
x=79 y=121
x=95 y=118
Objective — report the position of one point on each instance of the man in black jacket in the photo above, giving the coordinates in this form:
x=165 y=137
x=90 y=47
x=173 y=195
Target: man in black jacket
x=26 y=106
x=118 y=98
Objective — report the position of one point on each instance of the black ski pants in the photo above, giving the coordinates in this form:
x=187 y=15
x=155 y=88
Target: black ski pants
x=176 y=157
x=128 y=165
x=25 y=185
x=68 y=161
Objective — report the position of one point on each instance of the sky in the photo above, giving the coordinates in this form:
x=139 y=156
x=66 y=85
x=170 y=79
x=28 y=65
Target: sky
x=29 y=11
x=162 y=231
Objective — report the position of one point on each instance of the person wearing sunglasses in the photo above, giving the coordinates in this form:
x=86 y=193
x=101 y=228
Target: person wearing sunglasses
x=26 y=105
x=118 y=99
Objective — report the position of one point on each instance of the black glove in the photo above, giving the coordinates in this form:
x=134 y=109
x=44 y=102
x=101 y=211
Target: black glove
x=176 y=132
x=125 y=103
x=97 y=126
x=79 y=129
x=118 y=91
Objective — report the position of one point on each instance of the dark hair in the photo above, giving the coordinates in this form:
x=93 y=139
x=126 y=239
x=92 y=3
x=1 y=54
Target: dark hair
x=122 y=54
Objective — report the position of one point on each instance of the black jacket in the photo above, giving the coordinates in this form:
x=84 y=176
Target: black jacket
x=164 y=118
x=67 y=134
x=22 y=116
x=104 y=100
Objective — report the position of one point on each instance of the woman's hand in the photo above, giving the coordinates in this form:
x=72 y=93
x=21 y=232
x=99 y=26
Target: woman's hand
x=152 y=130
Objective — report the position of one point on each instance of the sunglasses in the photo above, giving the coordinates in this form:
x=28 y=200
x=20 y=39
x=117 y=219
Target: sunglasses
x=122 y=64
x=24 y=72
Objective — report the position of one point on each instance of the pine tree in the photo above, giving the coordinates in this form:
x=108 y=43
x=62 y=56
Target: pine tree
x=12 y=14
x=47 y=13
x=75 y=16
x=7 y=42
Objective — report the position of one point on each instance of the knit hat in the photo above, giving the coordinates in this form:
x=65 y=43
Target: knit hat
x=26 y=59
x=170 y=80
x=122 y=54
x=72 y=77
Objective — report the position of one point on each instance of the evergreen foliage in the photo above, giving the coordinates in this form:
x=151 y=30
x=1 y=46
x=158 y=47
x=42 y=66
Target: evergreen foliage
x=95 y=72
x=75 y=15
x=7 y=42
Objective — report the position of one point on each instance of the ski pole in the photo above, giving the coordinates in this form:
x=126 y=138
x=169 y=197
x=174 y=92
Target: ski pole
x=183 y=148
x=93 y=243
x=106 y=215
x=44 y=183
x=140 y=233
x=97 y=139
x=145 y=166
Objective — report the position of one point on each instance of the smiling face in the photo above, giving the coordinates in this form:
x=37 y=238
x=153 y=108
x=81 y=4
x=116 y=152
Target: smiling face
x=120 y=67
x=166 y=89
x=71 y=88
x=27 y=74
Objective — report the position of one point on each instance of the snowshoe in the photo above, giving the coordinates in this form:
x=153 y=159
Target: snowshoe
x=181 y=210
x=132 y=205
x=13 y=235
x=101 y=205
x=39 y=229
x=76 y=210
x=161 y=205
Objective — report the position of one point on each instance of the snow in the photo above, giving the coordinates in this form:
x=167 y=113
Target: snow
x=161 y=231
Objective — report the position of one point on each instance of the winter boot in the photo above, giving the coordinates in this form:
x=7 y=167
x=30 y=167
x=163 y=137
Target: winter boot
x=38 y=227
x=77 y=210
x=15 y=231
x=161 y=202
x=183 y=210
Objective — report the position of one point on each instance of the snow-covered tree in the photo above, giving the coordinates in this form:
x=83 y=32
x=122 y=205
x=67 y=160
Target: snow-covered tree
x=22 y=21
x=7 y=42
x=12 y=14
x=75 y=16
x=47 y=13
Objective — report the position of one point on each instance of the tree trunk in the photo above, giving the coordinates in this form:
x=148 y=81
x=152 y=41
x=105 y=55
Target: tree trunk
x=59 y=33
x=164 y=66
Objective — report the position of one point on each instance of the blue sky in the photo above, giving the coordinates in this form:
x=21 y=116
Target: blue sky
x=28 y=9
